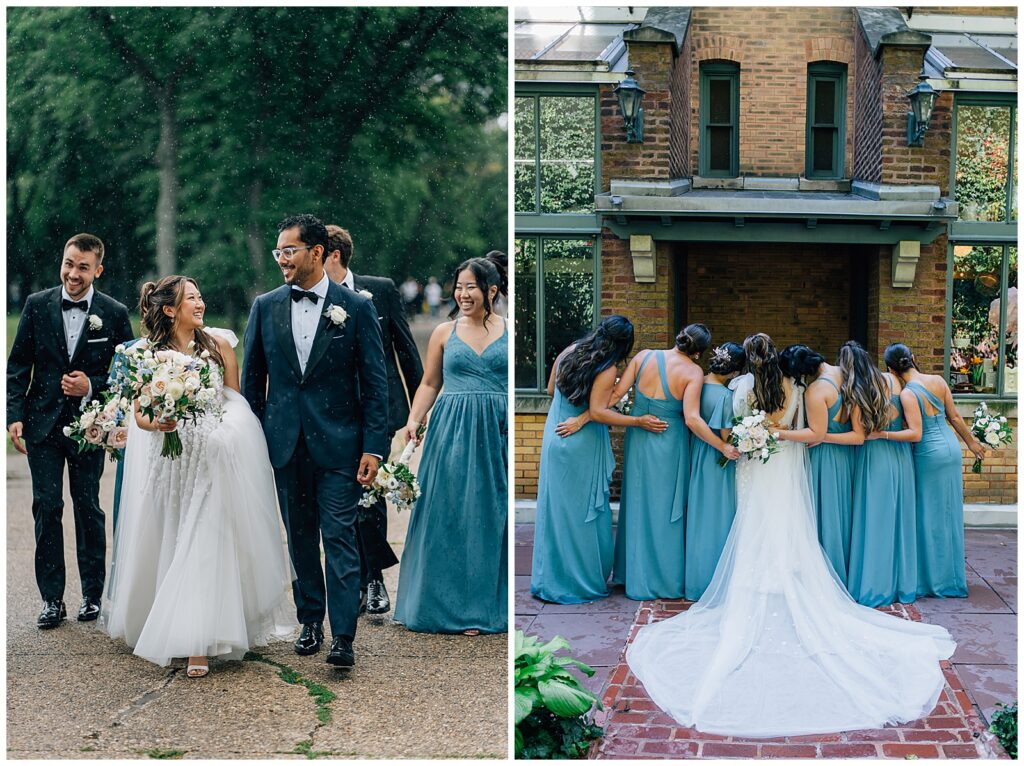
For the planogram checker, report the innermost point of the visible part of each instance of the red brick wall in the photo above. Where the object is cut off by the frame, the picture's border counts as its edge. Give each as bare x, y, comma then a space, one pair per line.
795, 293
867, 122
773, 47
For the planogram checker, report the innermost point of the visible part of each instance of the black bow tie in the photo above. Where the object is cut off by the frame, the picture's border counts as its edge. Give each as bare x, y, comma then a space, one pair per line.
298, 295
67, 305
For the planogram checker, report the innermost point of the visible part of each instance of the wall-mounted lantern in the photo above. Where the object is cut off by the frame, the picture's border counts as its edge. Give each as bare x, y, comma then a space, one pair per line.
630, 96
922, 101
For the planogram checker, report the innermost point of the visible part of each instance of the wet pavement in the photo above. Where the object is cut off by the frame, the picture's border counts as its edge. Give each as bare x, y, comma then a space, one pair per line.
984, 625
73, 692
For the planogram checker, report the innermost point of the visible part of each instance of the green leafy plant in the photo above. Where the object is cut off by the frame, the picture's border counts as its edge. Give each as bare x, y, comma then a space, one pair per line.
551, 705
1004, 726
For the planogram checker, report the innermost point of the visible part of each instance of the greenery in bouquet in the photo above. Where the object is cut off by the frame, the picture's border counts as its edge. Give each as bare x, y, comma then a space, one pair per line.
395, 481
991, 430
551, 705
169, 386
102, 425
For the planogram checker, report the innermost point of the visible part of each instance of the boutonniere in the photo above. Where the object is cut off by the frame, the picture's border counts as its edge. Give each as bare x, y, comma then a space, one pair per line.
336, 314
366, 294
95, 323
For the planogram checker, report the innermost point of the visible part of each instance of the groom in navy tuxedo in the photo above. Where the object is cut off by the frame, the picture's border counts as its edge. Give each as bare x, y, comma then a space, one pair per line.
314, 375
62, 349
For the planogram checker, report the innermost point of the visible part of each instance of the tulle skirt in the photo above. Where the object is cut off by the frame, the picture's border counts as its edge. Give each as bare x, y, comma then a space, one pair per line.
776, 646
198, 565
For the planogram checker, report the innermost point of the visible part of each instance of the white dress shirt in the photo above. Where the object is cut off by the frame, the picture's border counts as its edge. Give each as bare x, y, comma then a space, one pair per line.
305, 318
349, 281
75, 326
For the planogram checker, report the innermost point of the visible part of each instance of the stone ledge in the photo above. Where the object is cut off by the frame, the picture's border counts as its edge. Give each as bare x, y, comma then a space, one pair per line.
881, 192
672, 188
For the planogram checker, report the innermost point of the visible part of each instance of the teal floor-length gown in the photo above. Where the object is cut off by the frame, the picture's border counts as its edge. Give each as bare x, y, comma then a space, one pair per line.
883, 543
454, 570
572, 540
832, 491
649, 542
938, 466
711, 503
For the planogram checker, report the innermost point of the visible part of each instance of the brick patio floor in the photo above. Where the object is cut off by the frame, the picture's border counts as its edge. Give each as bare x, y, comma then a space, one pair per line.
983, 670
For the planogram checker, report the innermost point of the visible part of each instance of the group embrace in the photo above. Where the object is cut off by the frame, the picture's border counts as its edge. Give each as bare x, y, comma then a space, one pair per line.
297, 434
776, 491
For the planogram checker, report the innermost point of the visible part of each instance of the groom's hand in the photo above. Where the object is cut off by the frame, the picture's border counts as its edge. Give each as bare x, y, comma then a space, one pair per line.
368, 465
14, 429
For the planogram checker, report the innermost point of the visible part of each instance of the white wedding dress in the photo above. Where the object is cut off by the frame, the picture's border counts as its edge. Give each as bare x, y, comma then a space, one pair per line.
776, 646
198, 565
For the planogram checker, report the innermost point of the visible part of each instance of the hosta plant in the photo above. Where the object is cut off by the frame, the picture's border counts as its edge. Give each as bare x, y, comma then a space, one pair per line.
551, 705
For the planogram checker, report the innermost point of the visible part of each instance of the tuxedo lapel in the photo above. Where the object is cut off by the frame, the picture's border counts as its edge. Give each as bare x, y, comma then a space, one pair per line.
57, 322
281, 314
83, 339
324, 330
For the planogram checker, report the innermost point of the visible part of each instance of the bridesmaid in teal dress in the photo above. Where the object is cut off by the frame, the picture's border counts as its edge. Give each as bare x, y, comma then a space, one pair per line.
454, 570
649, 541
711, 502
938, 465
832, 431
883, 549
572, 546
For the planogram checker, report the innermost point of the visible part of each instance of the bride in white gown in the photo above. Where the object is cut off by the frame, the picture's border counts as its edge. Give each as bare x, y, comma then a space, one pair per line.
198, 566
776, 646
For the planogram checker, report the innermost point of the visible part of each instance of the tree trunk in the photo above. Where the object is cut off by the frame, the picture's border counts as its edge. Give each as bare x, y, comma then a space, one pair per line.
167, 197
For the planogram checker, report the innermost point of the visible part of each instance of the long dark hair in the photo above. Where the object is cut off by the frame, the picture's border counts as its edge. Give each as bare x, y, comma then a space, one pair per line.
488, 271
763, 362
595, 352
159, 327
798, 361
864, 386
900, 358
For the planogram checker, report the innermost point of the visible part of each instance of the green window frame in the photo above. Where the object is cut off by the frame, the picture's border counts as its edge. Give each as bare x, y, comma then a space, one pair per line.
719, 119
825, 138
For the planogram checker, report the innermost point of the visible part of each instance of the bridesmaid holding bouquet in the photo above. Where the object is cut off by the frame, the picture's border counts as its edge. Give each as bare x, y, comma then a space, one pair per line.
938, 467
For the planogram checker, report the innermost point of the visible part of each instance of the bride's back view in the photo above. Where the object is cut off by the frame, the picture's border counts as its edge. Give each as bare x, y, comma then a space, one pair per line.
776, 646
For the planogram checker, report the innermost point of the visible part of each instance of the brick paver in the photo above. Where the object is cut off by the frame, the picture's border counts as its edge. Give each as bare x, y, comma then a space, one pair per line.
636, 728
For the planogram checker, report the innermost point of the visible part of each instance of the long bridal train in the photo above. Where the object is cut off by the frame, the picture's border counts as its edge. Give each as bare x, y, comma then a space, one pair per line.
776, 646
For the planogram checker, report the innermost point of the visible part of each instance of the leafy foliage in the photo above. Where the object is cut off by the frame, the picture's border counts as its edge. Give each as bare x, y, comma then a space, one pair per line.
550, 702
387, 121
982, 154
1004, 726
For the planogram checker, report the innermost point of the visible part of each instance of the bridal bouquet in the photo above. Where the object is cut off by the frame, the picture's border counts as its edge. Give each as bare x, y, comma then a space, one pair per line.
102, 425
169, 385
990, 430
752, 437
395, 482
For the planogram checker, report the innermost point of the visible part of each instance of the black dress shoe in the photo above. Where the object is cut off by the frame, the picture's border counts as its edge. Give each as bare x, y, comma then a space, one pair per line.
362, 601
341, 654
377, 601
310, 639
89, 610
53, 613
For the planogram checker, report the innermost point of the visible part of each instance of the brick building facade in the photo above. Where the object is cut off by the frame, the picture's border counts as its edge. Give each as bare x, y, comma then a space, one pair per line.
806, 248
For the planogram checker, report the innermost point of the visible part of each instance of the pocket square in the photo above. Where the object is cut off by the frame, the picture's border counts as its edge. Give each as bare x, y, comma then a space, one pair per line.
335, 337
98, 340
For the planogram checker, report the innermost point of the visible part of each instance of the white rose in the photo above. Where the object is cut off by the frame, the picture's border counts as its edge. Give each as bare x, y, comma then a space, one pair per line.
95, 323
760, 439
119, 348
366, 294
192, 382
145, 401
337, 314
159, 386
87, 419
992, 426
175, 389
992, 438
746, 445
67, 430
748, 421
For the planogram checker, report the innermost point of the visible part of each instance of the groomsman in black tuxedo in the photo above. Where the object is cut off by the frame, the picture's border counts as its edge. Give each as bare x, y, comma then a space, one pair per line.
60, 357
399, 352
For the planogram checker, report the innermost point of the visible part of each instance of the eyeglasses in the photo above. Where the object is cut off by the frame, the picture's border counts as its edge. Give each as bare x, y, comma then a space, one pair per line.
288, 252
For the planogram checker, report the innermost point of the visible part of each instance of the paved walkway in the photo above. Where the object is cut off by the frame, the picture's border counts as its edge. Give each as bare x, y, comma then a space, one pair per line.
983, 671
73, 692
